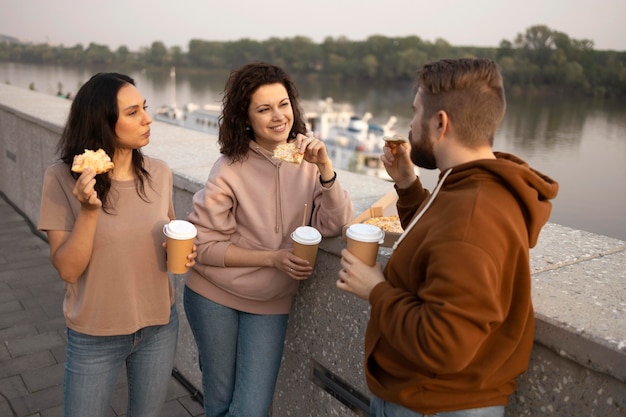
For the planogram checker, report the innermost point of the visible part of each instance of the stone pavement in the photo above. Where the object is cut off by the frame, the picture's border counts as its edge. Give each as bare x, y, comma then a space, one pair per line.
32, 330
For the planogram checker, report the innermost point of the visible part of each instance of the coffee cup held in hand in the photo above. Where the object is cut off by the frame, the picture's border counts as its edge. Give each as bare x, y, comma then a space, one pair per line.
306, 240
364, 240
180, 235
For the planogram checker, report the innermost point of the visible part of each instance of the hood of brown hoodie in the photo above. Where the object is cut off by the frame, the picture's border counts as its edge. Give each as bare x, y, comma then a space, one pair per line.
532, 189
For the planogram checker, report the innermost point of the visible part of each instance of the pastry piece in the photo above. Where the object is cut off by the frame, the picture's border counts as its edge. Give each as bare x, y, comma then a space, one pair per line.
98, 160
288, 152
395, 139
389, 224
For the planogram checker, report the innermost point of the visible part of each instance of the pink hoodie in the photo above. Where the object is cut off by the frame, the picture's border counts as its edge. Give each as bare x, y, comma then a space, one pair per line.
256, 204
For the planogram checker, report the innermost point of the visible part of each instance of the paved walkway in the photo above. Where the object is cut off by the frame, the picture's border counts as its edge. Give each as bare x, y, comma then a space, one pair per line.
32, 331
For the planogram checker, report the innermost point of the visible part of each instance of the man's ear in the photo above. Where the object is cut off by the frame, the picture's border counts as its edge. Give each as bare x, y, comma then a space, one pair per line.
443, 123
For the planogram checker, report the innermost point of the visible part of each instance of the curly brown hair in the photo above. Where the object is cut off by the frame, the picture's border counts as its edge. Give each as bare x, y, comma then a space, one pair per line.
234, 131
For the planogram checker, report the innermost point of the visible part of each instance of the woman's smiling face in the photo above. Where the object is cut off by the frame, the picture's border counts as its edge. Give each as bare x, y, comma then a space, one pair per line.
270, 115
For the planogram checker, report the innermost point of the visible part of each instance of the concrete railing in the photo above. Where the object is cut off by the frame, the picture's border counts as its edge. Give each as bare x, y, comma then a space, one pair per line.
578, 364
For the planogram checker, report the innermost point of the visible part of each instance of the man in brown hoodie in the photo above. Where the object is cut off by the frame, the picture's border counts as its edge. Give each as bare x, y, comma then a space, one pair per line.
451, 325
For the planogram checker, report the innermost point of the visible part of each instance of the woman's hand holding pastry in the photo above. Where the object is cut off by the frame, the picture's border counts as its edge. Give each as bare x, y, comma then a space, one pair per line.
85, 192
314, 149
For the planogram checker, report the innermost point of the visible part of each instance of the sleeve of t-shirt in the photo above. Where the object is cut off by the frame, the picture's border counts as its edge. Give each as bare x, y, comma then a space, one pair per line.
56, 207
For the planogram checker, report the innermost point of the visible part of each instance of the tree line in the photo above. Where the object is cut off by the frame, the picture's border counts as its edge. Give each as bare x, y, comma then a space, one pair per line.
538, 61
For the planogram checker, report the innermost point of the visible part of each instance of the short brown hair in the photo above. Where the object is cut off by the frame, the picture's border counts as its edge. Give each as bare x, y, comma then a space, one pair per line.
470, 91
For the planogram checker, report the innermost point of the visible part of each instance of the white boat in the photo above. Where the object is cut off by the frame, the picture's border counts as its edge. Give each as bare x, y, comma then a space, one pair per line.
354, 142
192, 116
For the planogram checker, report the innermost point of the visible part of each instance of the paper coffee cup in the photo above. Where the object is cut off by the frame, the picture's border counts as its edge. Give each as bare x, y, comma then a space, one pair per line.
364, 240
306, 241
179, 235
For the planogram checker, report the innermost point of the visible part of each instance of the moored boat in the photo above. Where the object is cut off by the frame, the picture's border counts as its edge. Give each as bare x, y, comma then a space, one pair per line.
204, 119
354, 142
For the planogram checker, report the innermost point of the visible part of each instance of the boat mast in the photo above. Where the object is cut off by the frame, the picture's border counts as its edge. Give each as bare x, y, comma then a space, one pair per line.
173, 86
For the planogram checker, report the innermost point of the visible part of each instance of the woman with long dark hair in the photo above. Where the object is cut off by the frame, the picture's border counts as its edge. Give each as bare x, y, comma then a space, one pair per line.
106, 242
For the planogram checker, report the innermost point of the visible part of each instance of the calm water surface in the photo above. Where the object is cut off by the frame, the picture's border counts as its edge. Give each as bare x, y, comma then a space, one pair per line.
579, 143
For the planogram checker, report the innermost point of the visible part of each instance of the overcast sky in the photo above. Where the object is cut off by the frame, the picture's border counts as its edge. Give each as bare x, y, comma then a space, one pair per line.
138, 23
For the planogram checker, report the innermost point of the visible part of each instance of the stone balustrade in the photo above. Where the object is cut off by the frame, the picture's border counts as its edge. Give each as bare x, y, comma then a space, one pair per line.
578, 364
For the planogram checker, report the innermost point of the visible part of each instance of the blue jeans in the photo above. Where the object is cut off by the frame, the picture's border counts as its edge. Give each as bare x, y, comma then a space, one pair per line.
94, 362
239, 355
382, 408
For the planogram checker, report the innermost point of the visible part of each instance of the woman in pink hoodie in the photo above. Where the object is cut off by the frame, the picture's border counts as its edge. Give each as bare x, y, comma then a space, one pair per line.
238, 295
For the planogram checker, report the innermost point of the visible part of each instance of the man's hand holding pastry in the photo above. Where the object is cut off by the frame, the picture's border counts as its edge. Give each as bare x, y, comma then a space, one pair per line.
397, 161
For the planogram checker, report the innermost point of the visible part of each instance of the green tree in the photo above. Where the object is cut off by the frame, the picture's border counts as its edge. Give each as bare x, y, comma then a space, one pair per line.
74, 55
536, 61
158, 55
204, 54
98, 55
238, 53
335, 55
123, 55
303, 53
177, 56
409, 60
574, 74
440, 49
370, 64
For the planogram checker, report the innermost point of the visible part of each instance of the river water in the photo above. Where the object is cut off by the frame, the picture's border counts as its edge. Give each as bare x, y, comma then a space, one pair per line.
580, 143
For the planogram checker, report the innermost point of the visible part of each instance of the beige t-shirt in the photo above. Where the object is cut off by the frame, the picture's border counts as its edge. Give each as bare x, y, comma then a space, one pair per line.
125, 286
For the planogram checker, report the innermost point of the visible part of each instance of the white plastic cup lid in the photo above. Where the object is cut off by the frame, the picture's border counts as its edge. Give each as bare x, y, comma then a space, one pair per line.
365, 233
306, 235
180, 230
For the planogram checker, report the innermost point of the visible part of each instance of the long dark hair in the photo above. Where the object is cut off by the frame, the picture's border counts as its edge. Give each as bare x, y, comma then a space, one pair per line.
235, 134
91, 125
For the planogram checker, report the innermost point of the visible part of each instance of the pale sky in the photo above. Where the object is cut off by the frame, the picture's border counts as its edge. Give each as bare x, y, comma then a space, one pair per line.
138, 23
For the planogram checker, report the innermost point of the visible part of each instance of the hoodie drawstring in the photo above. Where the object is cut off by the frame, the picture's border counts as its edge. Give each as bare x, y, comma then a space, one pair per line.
421, 213
279, 206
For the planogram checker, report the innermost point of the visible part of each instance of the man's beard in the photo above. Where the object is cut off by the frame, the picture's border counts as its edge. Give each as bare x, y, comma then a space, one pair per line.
422, 153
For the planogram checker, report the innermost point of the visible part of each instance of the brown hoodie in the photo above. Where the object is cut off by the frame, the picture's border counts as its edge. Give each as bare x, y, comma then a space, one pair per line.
256, 204
452, 326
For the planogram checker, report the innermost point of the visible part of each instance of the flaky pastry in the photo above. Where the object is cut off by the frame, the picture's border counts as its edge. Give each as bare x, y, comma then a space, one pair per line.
288, 152
98, 160
389, 224
395, 139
